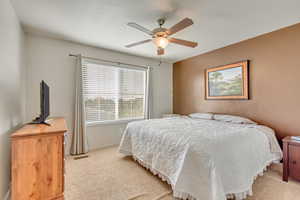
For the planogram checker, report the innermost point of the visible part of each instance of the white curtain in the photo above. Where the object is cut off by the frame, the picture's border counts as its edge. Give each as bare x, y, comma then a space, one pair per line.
79, 140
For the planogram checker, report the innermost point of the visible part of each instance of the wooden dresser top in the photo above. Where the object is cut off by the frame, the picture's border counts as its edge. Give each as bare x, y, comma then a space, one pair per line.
58, 125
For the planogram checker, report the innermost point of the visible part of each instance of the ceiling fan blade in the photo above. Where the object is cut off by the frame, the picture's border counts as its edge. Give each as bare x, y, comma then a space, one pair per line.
160, 51
138, 43
179, 26
140, 28
183, 42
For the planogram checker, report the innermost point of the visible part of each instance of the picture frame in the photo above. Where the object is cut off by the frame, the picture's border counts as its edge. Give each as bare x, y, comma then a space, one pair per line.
229, 81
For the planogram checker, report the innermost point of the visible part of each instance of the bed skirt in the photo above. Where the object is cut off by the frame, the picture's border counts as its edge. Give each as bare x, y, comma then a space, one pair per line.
186, 196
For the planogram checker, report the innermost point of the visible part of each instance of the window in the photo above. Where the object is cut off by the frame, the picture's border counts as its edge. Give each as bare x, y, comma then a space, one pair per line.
114, 93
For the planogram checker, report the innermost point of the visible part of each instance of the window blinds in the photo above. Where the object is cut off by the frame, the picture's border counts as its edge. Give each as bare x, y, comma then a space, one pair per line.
113, 93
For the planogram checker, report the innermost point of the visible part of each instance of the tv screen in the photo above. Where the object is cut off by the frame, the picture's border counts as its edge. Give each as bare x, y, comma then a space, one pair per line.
45, 107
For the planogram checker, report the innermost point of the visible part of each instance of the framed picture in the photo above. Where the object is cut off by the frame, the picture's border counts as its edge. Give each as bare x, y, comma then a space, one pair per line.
228, 81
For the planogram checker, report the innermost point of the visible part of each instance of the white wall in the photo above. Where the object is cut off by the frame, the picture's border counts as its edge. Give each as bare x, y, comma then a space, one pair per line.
47, 59
12, 90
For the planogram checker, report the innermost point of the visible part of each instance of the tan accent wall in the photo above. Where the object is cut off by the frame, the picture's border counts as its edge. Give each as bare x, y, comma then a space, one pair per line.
274, 81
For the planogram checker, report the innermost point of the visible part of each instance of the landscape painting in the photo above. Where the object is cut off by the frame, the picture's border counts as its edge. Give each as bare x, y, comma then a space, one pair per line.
228, 81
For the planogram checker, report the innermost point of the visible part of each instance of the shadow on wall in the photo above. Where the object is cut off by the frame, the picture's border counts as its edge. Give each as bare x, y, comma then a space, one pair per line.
10, 120
5, 162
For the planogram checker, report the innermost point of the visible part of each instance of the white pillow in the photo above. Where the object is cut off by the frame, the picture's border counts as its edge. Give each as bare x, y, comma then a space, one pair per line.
170, 115
233, 119
201, 115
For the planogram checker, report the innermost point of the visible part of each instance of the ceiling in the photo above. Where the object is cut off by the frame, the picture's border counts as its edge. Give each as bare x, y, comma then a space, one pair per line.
102, 23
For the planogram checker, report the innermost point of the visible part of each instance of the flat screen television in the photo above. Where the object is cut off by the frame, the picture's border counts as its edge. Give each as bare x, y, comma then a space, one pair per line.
44, 104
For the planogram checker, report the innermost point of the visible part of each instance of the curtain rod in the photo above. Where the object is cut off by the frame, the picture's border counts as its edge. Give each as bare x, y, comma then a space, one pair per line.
109, 61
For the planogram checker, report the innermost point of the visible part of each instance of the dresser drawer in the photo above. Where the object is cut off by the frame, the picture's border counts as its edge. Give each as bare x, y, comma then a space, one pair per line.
294, 161
37, 161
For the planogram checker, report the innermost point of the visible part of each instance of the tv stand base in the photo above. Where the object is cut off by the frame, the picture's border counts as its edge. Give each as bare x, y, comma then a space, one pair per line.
39, 121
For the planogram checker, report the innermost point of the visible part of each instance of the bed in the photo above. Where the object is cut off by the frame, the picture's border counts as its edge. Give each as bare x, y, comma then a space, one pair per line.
202, 158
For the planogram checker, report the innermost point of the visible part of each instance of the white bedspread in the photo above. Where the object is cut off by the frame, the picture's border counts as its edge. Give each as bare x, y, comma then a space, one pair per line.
202, 159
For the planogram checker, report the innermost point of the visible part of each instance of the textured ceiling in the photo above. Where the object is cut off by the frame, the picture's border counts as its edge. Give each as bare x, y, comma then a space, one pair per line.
102, 23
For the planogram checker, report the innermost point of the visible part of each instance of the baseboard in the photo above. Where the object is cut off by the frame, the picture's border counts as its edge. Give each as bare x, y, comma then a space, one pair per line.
103, 147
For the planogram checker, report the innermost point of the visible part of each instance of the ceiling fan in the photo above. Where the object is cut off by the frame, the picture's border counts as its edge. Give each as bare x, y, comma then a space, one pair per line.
161, 36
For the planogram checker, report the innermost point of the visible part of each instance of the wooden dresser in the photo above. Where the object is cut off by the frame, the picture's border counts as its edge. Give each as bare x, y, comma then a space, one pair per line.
37, 160
291, 159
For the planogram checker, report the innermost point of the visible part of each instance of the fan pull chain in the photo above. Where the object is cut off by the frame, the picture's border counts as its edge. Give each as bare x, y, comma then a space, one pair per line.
160, 61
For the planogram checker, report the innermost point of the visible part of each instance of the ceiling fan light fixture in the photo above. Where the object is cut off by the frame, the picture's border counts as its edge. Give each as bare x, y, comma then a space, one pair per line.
161, 36
161, 42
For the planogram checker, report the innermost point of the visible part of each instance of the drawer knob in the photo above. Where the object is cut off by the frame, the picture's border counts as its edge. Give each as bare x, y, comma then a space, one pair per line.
294, 162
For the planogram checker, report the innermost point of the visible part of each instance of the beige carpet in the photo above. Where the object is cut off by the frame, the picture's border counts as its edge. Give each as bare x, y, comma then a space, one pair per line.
107, 175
